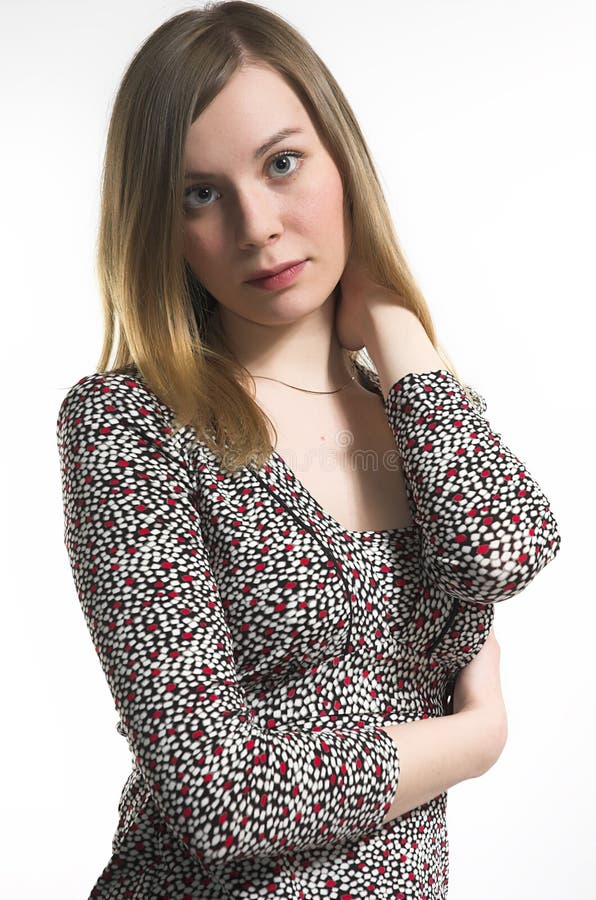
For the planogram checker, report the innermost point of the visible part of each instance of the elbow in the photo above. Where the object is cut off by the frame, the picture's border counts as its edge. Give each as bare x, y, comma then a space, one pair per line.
484, 586
493, 574
496, 586
213, 809
212, 834
230, 840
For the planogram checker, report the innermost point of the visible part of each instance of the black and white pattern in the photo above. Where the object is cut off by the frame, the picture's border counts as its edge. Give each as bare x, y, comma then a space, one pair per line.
254, 648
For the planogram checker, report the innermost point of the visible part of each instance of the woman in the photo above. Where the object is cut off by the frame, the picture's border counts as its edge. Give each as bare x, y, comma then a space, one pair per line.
302, 665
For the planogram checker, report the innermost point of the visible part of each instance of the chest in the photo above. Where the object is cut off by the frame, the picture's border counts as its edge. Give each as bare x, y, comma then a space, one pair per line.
345, 455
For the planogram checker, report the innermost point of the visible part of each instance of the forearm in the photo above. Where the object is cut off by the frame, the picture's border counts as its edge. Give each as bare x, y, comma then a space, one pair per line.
397, 342
437, 753
487, 525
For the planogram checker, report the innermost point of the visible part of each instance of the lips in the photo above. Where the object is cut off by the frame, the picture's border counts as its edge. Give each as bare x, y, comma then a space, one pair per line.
280, 280
267, 273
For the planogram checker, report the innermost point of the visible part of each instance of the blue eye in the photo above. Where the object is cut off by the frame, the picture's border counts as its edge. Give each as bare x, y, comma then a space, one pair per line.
192, 190
287, 154
202, 188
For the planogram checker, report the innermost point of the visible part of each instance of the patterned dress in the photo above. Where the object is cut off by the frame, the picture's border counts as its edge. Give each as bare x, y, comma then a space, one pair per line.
254, 648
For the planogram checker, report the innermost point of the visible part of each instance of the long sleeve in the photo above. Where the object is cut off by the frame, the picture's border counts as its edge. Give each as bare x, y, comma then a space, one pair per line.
486, 526
227, 786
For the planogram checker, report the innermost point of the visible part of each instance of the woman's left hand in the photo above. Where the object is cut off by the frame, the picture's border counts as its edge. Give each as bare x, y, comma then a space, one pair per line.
478, 687
356, 298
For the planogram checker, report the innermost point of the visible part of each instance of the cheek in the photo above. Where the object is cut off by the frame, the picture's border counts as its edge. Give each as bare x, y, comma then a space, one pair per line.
334, 223
324, 210
197, 252
189, 245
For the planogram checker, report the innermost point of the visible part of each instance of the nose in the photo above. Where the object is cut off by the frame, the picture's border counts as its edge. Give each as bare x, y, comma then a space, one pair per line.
259, 217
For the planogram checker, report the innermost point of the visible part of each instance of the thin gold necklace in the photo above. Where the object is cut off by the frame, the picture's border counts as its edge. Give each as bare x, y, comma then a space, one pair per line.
305, 390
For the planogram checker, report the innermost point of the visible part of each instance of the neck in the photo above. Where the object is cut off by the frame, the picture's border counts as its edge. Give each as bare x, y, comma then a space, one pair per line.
305, 352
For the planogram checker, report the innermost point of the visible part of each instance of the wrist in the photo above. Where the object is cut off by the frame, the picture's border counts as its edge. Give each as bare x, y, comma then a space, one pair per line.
397, 342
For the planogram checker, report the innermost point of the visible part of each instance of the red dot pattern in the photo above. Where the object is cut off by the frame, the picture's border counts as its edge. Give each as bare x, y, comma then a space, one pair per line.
254, 648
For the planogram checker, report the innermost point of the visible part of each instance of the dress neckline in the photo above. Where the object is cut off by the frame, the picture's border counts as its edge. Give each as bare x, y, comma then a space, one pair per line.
402, 531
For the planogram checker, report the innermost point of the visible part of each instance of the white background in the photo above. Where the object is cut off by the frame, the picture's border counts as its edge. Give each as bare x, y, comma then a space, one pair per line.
480, 118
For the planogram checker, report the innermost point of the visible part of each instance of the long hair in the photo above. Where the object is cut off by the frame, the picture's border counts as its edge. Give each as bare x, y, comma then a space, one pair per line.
160, 322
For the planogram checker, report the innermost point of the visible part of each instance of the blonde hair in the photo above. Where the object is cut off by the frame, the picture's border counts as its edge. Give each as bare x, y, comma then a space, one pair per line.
158, 318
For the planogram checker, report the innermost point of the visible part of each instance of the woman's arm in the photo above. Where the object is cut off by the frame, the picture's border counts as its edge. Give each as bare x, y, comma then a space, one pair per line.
436, 754
486, 525
397, 341
226, 785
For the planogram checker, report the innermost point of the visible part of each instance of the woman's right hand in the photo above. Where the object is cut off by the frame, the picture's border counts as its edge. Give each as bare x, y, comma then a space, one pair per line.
478, 688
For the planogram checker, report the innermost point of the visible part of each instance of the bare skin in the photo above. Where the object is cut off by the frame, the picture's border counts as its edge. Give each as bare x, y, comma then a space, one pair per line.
343, 451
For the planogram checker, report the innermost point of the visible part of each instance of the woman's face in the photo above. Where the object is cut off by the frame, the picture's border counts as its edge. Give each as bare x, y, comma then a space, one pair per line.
252, 213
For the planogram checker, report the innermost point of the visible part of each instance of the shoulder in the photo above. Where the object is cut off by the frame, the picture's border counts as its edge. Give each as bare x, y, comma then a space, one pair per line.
119, 406
102, 387
102, 401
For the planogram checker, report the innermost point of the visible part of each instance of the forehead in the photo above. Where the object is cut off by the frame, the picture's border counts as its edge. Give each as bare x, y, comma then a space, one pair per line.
255, 104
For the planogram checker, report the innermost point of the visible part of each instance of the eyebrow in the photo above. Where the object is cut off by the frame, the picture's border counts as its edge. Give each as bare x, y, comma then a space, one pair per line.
259, 152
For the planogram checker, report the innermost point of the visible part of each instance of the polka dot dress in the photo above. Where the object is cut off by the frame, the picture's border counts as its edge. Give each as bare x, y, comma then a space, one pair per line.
254, 648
